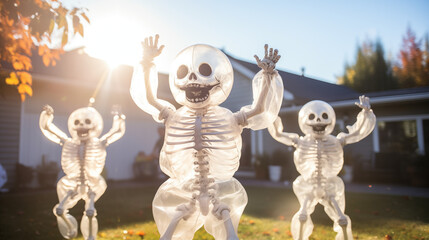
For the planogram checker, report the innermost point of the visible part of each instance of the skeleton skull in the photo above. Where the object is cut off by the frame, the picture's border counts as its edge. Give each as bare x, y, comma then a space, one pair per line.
85, 123
317, 118
201, 76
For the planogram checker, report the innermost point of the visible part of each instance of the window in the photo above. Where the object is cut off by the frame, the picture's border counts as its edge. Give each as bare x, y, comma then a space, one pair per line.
398, 136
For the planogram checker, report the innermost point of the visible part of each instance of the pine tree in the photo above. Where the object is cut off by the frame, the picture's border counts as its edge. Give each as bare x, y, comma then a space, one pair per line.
371, 72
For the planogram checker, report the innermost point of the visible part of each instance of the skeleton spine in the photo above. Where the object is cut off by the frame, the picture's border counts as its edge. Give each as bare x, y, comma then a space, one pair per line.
82, 156
318, 172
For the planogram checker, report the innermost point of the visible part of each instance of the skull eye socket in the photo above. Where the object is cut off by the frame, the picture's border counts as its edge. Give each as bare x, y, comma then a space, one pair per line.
325, 116
87, 121
182, 71
76, 122
205, 70
311, 116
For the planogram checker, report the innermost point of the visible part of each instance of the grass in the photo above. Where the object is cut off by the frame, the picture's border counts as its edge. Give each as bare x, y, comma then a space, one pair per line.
125, 212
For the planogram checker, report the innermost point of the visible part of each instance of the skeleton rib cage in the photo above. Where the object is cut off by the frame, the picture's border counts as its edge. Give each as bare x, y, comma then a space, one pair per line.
318, 160
83, 162
208, 140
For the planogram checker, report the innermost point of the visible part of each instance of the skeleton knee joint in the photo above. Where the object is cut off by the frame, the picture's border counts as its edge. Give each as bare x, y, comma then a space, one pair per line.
342, 221
59, 211
90, 212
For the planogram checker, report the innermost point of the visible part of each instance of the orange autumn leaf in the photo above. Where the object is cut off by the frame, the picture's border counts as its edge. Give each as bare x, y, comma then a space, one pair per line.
141, 233
17, 65
276, 230
46, 60
25, 78
21, 32
24, 88
266, 233
12, 79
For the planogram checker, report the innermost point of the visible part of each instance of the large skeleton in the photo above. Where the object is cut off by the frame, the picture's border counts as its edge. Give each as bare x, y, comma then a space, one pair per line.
202, 144
319, 159
82, 160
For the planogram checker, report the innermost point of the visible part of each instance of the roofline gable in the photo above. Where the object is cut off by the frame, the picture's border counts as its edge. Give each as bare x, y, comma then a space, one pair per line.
250, 74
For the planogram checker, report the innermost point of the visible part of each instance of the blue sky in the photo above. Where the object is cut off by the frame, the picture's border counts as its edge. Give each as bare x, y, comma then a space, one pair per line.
318, 35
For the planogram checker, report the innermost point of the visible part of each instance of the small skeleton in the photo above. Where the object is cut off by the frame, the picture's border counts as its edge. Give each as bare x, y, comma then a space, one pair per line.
82, 160
202, 144
319, 159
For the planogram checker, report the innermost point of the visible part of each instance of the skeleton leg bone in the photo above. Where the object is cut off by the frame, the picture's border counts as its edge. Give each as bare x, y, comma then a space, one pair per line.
342, 220
302, 217
221, 212
67, 224
184, 211
89, 224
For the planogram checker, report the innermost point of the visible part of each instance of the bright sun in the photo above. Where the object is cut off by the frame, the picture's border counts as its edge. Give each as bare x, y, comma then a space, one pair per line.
115, 39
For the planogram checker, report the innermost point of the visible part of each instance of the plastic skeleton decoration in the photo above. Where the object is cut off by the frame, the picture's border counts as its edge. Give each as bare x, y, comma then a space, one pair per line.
319, 159
83, 157
202, 144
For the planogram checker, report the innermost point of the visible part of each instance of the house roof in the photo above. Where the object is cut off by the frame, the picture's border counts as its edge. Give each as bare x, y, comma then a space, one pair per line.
304, 88
76, 67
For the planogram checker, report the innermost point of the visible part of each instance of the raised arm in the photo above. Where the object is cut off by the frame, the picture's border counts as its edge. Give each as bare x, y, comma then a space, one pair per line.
276, 131
144, 84
363, 126
51, 131
267, 87
117, 130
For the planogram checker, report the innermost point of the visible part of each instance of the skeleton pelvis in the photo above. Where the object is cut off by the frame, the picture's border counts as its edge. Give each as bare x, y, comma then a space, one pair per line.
204, 203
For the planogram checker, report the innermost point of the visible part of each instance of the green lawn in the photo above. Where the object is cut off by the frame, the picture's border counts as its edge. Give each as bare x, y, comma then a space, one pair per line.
267, 215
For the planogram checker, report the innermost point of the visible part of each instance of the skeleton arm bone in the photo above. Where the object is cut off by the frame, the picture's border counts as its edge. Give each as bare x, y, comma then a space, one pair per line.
364, 125
267, 65
276, 131
51, 131
144, 83
117, 130
267, 87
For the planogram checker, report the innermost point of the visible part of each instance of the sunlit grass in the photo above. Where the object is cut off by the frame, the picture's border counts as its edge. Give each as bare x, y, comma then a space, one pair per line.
125, 213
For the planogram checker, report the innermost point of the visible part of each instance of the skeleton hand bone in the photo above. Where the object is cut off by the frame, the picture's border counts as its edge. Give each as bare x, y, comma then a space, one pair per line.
364, 103
48, 109
270, 59
151, 49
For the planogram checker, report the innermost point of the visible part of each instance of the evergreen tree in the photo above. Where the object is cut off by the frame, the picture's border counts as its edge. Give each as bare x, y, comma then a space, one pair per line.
371, 72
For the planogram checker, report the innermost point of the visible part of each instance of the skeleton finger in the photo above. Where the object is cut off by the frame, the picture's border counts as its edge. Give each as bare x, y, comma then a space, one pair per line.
146, 42
266, 50
277, 59
160, 49
358, 104
276, 52
257, 59
151, 41
271, 53
156, 40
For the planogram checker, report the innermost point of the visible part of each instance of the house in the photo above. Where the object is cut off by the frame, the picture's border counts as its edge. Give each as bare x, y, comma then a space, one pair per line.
70, 84
395, 152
